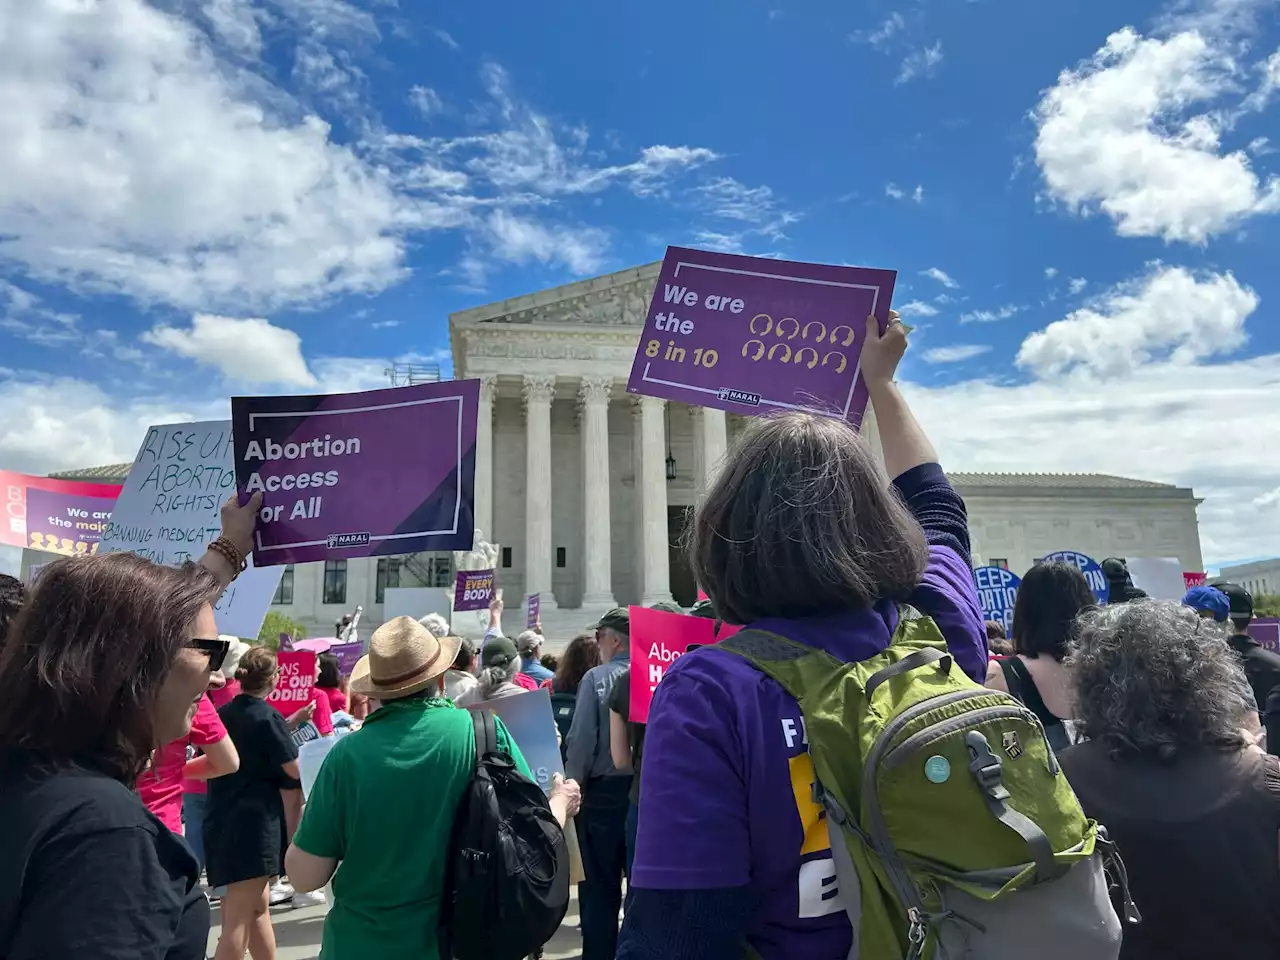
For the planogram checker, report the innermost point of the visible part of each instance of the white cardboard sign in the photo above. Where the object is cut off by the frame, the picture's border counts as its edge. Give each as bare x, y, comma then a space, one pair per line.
168, 511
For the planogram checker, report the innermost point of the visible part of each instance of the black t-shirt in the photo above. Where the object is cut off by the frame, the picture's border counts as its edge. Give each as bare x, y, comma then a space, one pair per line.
264, 743
87, 871
620, 703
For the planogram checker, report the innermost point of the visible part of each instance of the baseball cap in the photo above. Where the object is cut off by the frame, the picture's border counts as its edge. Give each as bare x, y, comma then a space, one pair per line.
617, 619
498, 652
1208, 600
1241, 600
666, 606
703, 608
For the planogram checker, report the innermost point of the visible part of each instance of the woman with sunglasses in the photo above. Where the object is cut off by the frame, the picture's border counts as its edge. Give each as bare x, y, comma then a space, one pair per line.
109, 658
245, 826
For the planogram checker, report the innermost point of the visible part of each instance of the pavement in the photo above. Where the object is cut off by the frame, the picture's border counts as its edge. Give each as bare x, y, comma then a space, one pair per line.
298, 932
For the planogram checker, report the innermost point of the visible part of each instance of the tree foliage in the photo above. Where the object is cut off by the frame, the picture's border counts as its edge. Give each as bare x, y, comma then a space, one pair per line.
275, 624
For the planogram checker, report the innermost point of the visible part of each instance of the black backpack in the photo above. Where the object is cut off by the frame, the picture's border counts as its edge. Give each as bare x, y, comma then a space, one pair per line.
507, 889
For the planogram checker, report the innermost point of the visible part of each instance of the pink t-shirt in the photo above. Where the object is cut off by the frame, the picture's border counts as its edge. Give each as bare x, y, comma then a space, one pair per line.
337, 699
225, 694
525, 681
161, 786
323, 717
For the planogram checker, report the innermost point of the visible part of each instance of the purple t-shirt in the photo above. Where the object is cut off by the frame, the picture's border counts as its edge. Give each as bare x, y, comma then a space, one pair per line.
726, 794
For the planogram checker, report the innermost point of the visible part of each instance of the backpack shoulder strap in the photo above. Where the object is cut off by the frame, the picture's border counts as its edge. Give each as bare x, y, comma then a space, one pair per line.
794, 666
1028, 692
486, 733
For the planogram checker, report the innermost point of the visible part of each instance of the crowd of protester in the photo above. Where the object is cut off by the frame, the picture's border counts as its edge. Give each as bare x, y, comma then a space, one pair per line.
144, 777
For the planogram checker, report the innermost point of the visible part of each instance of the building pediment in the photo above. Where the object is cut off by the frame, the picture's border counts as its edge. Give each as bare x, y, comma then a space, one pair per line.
616, 299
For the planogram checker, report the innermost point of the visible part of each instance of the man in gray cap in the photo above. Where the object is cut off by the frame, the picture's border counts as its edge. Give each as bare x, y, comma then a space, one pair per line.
605, 791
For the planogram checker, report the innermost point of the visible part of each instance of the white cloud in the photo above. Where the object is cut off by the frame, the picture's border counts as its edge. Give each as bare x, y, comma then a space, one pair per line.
890, 27
923, 62
445, 37
753, 211
1118, 133
236, 23
1169, 314
917, 308
425, 100
893, 191
1260, 146
134, 163
1077, 284
514, 239
1162, 422
941, 276
250, 350
990, 316
955, 354
918, 193
1050, 272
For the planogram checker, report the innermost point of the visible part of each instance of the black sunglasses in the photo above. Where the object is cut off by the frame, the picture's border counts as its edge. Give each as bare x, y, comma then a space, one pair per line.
216, 649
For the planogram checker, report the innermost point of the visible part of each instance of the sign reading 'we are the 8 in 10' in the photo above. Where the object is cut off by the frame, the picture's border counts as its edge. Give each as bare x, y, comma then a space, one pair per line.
753, 335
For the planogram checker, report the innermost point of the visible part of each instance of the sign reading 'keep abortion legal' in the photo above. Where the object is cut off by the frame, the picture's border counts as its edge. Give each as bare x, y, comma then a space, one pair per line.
755, 336
359, 474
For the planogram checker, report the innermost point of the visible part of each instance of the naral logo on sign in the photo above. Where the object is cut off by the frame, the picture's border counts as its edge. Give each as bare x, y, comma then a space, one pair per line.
740, 396
337, 540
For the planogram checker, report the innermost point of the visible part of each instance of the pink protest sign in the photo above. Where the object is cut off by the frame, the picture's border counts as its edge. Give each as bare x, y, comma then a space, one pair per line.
756, 336
658, 639
1194, 579
474, 590
297, 677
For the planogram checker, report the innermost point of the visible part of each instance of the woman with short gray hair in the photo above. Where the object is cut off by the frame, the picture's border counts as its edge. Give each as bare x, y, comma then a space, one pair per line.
1173, 773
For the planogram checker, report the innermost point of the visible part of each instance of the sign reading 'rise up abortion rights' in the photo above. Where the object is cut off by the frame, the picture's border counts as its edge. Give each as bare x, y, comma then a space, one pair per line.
359, 474
750, 335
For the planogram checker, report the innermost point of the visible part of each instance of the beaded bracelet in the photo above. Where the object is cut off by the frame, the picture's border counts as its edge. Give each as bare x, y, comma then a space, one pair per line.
231, 553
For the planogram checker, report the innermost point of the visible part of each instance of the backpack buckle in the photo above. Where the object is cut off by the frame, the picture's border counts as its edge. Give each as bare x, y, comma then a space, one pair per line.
985, 766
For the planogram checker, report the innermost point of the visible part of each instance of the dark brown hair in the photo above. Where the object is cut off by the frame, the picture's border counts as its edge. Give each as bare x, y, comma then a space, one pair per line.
801, 522
87, 655
257, 671
1050, 598
12, 593
582, 653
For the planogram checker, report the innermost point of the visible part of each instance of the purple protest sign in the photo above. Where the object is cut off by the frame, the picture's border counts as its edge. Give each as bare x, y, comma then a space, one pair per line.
474, 590
348, 655
535, 610
750, 335
66, 523
1266, 630
359, 474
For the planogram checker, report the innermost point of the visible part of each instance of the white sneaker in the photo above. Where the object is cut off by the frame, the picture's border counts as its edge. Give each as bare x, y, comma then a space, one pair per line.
313, 899
281, 892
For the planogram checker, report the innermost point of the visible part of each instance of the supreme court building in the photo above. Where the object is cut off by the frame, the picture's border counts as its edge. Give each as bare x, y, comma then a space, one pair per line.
586, 488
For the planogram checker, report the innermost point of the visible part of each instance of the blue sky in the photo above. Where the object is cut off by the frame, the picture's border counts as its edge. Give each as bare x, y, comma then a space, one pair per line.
201, 197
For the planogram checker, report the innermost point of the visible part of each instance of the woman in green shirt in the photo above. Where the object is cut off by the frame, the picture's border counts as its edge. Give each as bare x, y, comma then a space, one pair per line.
384, 803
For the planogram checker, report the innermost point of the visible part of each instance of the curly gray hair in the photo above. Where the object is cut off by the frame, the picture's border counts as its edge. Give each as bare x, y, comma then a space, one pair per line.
1153, 677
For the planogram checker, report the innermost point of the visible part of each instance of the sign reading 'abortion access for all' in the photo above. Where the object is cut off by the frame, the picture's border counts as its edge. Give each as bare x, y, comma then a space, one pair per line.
1091, 569
359, 474
297, 680
750, 335
66, 523
997, 591
170, 509
473, 590
658, 639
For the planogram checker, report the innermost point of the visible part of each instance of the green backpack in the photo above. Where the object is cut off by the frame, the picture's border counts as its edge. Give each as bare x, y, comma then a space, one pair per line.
959, 836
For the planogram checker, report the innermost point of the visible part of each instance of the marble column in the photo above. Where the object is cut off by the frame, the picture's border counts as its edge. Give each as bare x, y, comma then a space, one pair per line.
484, 457
710, 442
655, 572
538, 393
597, 532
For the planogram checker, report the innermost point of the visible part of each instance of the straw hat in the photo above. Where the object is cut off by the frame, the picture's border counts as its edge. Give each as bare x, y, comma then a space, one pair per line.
404, 658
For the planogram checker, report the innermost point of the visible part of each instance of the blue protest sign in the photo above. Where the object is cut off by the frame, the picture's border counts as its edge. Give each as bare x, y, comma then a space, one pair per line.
997, 590
1088, 566
532, 726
